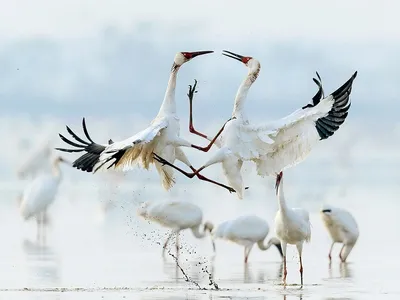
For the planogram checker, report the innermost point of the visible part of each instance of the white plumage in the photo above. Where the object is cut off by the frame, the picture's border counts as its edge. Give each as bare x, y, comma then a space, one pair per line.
176, 215
342, 228
292, 226
274, 146
246, 231
36, 163
162, 137
40, 194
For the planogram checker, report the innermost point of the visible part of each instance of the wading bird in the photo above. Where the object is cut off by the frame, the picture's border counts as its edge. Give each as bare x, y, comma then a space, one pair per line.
292, 226
161, 137
40, 194
246, 231
276, 145
342, 228
176, 215
36, 163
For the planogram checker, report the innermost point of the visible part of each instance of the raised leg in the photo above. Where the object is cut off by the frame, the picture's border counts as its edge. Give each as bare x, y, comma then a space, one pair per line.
330, 251
191, 175
192, 91
205, 149
166, 243
203, 178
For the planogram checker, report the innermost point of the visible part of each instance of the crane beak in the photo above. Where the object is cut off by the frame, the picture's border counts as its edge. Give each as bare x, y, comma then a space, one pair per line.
233, 55
197, 53
326, 211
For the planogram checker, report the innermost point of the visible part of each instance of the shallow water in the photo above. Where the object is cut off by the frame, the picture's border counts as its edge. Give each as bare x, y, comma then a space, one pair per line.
89, 254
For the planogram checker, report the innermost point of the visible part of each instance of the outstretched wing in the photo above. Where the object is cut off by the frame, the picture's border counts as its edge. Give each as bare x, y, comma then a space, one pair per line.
113, 154
292, 138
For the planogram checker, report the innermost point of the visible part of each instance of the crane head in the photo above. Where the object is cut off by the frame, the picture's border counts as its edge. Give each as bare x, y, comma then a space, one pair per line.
326, 210
278, 180
60, 159
183, 57
208, 226
241, 58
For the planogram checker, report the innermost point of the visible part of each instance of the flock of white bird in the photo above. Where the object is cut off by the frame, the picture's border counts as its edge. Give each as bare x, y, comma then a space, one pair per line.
272, 146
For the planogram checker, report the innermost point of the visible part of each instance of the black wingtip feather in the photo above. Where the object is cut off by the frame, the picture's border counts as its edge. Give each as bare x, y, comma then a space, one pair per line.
329, 124
87, 161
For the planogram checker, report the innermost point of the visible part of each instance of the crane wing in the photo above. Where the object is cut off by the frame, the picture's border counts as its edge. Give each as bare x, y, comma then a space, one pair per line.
120, 155
290, 139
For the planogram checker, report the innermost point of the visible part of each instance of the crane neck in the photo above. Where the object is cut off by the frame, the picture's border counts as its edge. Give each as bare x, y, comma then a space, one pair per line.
281, 197
55, 170
241, 95
262, 246
197, 233
168, 105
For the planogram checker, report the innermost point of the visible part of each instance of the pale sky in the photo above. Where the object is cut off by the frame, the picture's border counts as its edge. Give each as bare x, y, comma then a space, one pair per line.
310, 19
109, 61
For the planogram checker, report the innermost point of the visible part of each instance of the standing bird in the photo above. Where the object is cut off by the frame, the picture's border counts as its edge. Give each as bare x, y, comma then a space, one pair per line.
36, 163
177, 215
161, 137
40, 194
292, 226
276, 145
246, 231
342, 228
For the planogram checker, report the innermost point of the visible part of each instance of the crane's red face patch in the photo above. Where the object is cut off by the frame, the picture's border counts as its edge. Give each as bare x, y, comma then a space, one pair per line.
187, 55
246, 59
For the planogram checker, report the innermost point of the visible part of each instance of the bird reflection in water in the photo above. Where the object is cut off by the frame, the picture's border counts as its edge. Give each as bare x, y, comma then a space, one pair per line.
300, 296
344, 271
42, 264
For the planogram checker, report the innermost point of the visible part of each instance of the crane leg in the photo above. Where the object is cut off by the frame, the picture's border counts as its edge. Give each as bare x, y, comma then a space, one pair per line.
192, 91
301, 271
284, 270
284, 246
191, 175
330, 251
300, 251
177, 244
247, 251
166, 243
340, 254
205, 149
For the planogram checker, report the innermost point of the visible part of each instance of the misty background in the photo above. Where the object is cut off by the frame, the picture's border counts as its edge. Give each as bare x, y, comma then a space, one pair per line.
110, 62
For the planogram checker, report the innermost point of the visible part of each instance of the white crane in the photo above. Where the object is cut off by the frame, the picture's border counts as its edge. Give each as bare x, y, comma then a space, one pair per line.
292, 226
276, 145
246, 231
36, 163
40, 194
342, 228
161, 137
176, 215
